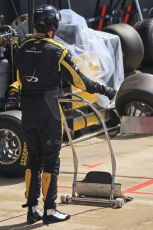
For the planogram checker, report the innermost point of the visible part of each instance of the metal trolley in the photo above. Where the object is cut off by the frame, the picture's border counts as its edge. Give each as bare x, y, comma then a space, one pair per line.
97, 187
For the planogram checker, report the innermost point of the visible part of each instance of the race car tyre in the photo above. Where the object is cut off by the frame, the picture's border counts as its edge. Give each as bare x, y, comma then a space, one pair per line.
145, 30
11, 145
132, 45
135, 96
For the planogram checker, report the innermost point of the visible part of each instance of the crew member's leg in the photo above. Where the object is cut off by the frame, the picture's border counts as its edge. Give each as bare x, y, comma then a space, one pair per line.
51, 137
33, 176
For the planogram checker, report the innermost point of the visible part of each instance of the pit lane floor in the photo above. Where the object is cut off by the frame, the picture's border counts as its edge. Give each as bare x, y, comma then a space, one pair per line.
134, 156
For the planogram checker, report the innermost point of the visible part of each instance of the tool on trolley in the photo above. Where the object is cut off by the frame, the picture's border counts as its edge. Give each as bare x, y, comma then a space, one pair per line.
97, 187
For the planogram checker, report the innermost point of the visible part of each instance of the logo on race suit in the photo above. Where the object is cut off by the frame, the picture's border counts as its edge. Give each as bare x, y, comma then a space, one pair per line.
31, 79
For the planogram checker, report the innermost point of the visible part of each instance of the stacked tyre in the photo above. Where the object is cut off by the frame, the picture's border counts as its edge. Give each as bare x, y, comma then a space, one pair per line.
135, 96
145, 30
132, 45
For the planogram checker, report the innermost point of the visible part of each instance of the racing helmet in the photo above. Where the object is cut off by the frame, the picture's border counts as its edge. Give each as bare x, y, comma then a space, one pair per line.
46, 18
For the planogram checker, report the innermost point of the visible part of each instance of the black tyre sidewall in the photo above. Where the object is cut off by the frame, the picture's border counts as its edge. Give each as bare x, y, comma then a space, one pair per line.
137, 87
13, 124
145, 30
132, 45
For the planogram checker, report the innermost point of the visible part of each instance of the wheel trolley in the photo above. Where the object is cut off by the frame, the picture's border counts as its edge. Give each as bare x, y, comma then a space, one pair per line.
97, 187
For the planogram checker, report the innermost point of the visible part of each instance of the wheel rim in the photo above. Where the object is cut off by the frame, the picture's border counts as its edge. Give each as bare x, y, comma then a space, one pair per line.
10, 147
137, 108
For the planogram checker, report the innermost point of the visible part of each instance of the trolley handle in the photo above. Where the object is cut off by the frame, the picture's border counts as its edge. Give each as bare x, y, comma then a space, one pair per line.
80, 99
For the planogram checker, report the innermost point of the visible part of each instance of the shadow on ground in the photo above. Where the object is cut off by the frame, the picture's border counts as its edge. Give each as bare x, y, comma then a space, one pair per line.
4, 181
21, 226
25, 226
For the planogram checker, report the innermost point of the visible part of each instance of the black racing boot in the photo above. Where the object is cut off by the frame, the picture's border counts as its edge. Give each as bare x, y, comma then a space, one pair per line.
34, 214
52, 216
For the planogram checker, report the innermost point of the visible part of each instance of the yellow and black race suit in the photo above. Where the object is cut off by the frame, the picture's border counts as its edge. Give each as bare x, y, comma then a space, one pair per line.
42, 63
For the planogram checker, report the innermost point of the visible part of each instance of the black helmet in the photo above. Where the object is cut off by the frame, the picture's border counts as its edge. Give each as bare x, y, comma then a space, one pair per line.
46, 18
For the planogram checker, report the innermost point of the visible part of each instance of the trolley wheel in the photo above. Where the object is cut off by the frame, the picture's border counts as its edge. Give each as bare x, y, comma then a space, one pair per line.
119, 202
65, 199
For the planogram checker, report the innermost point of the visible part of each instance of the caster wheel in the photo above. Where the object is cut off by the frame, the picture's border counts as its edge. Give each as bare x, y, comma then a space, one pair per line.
119, 202
65, 199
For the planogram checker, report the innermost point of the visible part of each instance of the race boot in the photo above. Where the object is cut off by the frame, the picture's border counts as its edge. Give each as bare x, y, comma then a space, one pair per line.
32, 193
34, 214
53, 216
49, 190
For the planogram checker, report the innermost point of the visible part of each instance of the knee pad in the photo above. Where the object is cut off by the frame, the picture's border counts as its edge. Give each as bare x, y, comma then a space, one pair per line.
51, 164
33, 163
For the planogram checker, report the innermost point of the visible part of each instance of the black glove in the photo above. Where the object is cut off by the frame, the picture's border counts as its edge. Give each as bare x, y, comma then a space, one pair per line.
109, 92
13, 101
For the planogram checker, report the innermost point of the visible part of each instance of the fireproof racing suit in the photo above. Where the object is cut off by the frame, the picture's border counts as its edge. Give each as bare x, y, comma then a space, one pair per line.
42, 62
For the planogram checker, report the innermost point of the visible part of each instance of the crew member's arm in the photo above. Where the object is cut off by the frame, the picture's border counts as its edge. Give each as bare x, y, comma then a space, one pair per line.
14, 87
72, 74
17, 85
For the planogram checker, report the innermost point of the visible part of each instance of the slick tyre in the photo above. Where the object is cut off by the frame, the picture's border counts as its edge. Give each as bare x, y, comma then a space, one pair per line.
145, 30
132, 45
135, 96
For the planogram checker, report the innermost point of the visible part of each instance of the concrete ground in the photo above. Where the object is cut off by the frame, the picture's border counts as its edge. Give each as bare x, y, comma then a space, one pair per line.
134, 156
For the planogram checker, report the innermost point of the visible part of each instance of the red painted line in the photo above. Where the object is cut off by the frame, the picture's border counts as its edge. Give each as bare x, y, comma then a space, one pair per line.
64, 186
144, 193
89, 166
138, 186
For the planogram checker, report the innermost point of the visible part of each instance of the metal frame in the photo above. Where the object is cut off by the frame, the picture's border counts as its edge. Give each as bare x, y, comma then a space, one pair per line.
139, 9
111, 200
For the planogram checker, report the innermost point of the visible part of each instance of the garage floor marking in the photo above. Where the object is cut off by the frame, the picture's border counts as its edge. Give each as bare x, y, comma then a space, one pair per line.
89, 166
140, 186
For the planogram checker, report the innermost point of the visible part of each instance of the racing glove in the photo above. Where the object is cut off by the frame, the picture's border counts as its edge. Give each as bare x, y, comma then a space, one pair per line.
108, 92
13, 101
